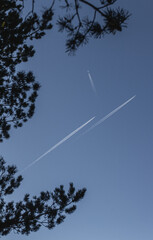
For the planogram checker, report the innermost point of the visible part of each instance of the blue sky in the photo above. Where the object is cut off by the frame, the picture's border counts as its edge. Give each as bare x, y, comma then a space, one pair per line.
113, 161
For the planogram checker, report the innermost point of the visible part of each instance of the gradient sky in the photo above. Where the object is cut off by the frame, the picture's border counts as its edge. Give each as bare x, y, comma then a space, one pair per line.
114, 161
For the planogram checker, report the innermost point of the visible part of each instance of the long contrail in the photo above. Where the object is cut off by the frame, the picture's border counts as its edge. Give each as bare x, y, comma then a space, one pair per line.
91, 81
109, 115
58, 144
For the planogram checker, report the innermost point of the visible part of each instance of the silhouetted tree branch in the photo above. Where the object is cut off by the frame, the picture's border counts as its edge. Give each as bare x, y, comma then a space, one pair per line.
81, 26
19, 90
82, 20
48, 209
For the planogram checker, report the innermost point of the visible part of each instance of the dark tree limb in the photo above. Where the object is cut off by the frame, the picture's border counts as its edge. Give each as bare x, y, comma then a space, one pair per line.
19, 91
29, 215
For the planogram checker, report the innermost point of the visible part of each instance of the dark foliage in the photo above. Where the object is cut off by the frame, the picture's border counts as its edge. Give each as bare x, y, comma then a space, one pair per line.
18, 93
26, 216
97, 19
19, 90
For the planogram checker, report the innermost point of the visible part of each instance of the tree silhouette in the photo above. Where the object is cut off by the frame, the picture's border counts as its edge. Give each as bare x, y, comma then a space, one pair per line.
82, 25
19, 90
26, 216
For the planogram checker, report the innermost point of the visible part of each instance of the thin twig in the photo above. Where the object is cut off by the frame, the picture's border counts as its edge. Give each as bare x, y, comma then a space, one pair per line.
93, 6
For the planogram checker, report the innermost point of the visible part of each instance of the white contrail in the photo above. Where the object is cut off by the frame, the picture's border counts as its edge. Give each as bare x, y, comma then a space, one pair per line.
109, 115
58, 144
91, 81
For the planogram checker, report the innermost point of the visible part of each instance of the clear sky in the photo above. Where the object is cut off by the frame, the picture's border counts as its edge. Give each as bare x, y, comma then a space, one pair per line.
114, 161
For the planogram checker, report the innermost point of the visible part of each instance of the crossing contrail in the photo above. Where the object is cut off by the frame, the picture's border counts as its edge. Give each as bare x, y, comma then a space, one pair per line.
77, 130
58, 144
91, 81
108, 115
